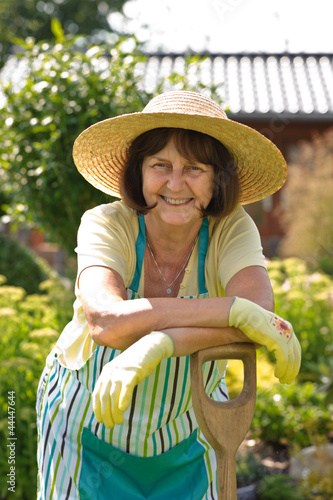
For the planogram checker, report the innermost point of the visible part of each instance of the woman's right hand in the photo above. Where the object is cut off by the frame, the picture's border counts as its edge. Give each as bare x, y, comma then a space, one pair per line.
114, 388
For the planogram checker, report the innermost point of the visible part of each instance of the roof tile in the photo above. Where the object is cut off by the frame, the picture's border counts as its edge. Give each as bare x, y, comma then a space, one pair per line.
257, 84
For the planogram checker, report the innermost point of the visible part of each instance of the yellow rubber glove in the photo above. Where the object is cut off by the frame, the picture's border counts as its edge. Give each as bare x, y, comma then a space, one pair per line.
268, 329
115, 385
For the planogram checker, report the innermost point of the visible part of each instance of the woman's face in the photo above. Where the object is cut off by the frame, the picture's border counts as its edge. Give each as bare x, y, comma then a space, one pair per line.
180, 187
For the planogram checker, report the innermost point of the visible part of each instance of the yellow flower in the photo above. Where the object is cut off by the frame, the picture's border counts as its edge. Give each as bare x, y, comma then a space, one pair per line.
7, 311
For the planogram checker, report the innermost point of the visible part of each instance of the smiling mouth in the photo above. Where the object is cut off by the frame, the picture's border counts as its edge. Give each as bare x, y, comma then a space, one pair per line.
173, 201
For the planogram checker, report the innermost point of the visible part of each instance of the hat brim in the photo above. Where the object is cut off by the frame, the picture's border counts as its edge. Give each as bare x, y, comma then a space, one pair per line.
100, 151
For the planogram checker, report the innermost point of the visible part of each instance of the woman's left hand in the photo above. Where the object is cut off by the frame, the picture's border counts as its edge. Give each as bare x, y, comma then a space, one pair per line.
272, 331
115, 385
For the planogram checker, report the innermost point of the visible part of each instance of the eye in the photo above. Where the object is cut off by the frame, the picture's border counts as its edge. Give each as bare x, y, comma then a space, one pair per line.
194, 169
161, 166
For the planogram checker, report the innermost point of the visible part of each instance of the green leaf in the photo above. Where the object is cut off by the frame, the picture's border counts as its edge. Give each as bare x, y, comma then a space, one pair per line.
57, 30
26, 44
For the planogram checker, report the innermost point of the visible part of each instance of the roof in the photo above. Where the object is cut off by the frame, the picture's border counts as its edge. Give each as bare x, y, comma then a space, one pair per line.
256, 85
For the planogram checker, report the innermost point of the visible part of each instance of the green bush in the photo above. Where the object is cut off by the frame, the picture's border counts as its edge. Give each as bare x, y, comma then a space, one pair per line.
318, 485
279, 487
65, 88
290, 414
21, 267
326, 264
249, 469
305, 299
29, 325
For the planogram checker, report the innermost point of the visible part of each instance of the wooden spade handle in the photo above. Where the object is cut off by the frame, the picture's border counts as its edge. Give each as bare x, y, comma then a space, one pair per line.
225, 424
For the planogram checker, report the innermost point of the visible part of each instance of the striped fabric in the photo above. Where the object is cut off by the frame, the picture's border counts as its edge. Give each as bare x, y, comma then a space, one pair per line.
160, 416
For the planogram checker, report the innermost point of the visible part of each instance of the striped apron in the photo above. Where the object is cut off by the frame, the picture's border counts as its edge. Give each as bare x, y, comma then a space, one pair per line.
157, 453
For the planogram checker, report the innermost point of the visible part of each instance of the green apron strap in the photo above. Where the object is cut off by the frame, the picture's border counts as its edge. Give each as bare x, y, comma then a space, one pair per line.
203, 246
140, 246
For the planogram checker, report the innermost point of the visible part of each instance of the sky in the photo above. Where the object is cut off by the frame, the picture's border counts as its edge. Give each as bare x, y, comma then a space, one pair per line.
230, 25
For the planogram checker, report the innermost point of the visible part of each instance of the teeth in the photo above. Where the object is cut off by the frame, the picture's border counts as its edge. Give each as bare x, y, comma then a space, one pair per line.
176, 202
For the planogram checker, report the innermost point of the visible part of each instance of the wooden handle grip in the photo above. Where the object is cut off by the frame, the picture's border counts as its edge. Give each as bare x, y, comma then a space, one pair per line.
225, 424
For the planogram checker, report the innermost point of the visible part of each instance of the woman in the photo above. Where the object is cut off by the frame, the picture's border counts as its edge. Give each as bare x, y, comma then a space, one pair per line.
114, 406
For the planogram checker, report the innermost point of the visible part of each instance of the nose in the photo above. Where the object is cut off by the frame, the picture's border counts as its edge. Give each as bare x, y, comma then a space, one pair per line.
176, 179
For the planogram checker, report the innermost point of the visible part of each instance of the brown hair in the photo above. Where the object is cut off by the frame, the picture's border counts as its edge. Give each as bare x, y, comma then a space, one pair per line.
191, 145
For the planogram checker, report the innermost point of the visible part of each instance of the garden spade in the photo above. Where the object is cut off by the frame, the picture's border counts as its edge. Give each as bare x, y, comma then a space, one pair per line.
225, 424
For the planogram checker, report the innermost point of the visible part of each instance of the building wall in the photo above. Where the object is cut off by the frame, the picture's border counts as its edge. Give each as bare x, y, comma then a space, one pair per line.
285, 134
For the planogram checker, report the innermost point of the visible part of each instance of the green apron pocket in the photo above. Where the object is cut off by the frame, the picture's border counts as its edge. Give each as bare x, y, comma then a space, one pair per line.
109, 473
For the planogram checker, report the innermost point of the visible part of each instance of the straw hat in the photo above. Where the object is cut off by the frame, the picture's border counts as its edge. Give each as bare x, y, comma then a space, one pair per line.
100, 151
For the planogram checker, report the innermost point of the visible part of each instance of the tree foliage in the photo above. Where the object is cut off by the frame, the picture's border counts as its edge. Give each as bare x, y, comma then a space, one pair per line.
309, 215
21, 267
32, 18
67, 87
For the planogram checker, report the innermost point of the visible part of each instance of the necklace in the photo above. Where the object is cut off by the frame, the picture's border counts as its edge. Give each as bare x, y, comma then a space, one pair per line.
169, 285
